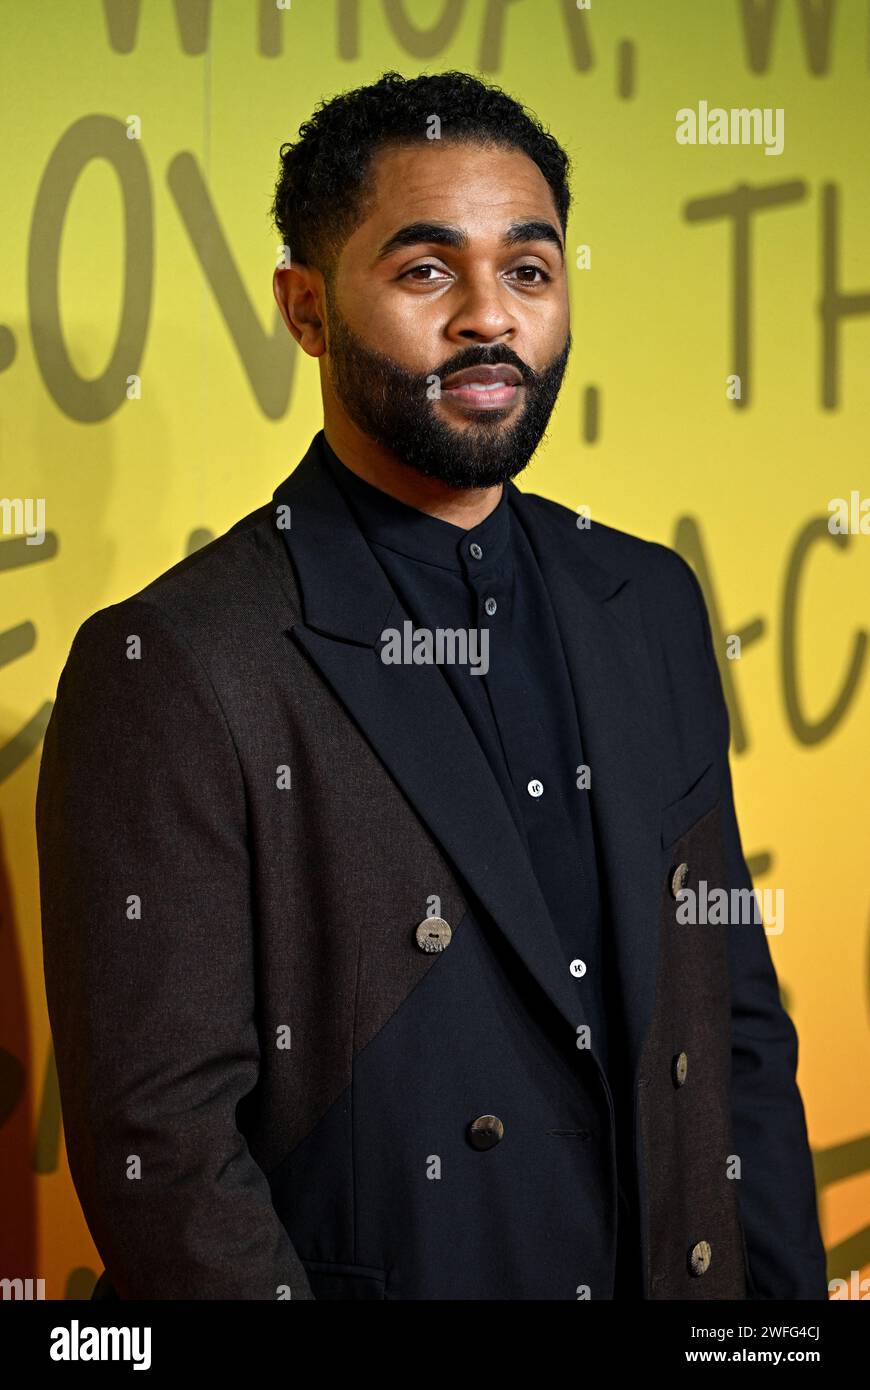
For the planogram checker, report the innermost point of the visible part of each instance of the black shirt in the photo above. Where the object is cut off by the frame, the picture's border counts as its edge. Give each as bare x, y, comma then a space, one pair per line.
517, 695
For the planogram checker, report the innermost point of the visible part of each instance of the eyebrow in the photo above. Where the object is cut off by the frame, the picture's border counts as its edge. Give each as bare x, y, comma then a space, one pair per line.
443, 234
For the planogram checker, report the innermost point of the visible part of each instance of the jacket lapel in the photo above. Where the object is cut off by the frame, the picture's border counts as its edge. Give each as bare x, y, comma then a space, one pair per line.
599, 617
411, 718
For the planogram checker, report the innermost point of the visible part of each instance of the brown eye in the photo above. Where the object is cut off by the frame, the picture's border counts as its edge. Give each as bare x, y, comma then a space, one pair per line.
537, 270
415, 269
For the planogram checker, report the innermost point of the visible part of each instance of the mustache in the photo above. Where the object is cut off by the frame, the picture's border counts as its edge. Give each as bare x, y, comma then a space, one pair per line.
498, 356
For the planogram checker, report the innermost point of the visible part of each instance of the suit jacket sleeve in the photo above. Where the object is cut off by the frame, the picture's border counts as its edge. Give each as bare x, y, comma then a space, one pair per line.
776, 1190
149, 968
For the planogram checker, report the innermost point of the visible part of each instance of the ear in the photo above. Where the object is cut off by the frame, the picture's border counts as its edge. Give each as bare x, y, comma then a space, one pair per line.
299, 294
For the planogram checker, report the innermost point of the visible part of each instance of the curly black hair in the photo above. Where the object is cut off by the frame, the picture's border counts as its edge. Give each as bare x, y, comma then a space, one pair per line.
323, 185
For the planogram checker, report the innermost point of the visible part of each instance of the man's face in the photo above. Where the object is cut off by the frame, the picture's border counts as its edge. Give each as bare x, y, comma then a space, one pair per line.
447, 324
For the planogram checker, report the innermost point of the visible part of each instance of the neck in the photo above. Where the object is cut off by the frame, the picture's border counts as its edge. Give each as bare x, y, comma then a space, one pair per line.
465, 507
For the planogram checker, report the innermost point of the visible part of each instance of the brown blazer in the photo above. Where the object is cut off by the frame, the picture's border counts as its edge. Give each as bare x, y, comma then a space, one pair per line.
269, 1088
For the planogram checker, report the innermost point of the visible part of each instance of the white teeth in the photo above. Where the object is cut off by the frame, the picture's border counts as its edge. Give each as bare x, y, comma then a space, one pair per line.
486, 385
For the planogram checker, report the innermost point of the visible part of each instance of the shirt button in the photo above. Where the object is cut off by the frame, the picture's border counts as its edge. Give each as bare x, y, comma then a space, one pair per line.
486, 1131
535, 788
490, 606
475, 551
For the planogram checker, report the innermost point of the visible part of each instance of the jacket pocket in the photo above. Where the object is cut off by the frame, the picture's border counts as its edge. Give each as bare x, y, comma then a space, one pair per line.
344, 1281
682, 814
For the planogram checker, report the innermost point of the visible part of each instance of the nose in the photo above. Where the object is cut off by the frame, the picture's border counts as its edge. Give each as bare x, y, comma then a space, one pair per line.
484, 314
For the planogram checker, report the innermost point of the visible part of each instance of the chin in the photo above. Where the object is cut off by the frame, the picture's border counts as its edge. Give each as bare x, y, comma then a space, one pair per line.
506, 414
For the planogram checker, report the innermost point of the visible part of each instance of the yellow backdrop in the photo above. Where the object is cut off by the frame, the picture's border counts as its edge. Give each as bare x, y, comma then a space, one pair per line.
150, 396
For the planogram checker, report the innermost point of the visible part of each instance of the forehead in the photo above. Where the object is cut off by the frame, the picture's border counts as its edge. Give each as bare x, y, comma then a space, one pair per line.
475, 186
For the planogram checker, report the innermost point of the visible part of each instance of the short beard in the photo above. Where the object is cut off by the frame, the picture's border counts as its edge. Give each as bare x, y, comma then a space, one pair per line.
393, 407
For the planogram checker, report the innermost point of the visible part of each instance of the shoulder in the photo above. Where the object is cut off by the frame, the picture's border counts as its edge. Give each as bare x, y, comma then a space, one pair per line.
651, 584
222, 576
205, 598
663, 577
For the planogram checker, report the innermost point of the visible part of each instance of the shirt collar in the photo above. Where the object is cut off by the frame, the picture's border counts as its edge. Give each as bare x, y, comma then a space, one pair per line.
408, 531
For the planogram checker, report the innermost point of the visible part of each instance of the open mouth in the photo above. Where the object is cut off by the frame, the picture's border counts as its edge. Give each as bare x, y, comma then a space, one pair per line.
483, 388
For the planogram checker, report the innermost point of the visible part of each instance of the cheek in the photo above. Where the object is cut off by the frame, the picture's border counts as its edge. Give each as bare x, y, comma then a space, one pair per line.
547, 323
540, 344
410, 330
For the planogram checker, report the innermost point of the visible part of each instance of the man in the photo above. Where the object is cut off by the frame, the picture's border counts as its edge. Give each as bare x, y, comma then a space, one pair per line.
363, 830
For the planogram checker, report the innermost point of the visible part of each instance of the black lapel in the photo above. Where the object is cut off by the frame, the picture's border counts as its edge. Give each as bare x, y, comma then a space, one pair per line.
411, 718
602, 631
